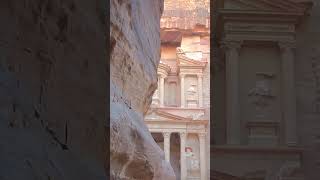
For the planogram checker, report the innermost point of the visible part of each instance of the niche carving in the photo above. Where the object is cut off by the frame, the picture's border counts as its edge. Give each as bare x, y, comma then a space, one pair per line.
261, 95
192, 96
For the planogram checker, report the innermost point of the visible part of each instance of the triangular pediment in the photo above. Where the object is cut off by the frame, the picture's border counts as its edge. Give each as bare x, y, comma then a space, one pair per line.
184, 60
190, 62
265, 5
158, 115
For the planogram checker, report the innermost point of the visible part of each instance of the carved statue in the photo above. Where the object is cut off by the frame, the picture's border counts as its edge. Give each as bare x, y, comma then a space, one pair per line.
192, 93
261, 94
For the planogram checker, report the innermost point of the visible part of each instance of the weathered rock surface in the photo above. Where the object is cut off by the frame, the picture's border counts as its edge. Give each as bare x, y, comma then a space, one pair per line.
135, 54
52, 90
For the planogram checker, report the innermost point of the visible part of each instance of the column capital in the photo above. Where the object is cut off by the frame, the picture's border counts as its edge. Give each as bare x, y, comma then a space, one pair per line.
200, 75
201, 135
166, 134
183, 134
231, 44
163, 76
284, 45
182, 75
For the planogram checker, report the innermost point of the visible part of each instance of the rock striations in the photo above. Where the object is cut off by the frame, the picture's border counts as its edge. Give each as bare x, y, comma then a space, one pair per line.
135, 54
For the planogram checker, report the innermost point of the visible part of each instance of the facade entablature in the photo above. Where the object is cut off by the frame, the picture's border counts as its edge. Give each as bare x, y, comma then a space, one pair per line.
157, 114
191, 113
258, 21
197, 72
176, 127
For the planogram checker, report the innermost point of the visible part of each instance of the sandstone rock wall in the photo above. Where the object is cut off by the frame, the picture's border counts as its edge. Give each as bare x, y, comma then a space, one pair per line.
52, 89
135, 54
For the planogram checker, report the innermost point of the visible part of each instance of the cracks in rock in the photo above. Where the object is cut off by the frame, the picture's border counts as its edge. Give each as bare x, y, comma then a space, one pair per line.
55, 138
47, 63
46, 67
62, 23
122, 99
66, 132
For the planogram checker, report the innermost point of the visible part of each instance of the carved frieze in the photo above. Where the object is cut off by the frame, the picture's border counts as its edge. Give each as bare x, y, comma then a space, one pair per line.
196, 127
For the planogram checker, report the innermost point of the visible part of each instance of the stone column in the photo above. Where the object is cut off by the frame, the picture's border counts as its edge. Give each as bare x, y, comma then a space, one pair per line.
161, 90
200, 90
183, 101
203, 168
288, 92
232, 89
166, 145
183, 162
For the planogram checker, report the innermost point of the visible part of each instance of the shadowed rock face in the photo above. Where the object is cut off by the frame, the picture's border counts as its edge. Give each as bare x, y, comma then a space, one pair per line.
52, 89
135, 54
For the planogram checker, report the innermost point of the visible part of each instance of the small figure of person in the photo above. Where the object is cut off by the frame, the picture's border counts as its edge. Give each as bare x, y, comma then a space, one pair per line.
193, 163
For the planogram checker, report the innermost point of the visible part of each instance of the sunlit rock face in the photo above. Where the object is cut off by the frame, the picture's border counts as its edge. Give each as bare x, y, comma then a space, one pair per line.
185, 14
52, 90
135, 55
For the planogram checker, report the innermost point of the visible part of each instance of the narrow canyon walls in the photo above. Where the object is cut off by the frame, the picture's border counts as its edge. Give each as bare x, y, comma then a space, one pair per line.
135, 54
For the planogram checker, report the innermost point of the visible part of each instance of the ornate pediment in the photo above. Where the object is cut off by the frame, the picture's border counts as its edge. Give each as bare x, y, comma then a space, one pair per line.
265, 5
184, 60
155, 114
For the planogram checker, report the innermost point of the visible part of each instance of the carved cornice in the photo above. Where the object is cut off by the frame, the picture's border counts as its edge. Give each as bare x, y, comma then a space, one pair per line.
260, 20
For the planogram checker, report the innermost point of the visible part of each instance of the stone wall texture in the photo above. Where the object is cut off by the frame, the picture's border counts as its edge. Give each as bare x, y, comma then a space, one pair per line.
135, 55
308, 90
52, 89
